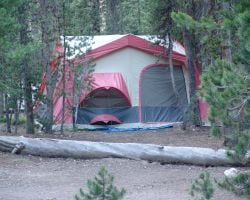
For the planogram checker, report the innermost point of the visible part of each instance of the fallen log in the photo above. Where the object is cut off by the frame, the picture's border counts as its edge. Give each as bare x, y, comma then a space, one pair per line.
91, 150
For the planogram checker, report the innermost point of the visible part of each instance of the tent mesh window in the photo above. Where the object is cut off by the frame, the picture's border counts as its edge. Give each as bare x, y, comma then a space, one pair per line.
158, 100
105, 98
105, 102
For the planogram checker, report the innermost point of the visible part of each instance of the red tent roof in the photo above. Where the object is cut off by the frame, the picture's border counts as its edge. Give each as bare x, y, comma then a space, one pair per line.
132, 41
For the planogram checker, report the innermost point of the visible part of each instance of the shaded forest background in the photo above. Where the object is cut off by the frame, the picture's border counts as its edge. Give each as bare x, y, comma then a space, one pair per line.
215, 35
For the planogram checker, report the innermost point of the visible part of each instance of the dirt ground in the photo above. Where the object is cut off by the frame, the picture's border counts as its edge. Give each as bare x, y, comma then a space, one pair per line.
198, 137
34, 178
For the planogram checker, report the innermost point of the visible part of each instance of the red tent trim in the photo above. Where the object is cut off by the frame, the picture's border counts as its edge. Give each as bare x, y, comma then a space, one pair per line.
129, 41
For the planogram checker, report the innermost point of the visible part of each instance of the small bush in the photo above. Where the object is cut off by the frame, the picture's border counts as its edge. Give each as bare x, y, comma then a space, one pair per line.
202, 188
21, 120
101, 188
239, 185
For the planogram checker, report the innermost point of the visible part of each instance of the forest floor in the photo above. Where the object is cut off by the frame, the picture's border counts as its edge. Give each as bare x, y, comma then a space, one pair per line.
35, 178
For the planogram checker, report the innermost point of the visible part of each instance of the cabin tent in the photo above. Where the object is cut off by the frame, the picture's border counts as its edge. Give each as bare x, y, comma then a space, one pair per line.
130, 86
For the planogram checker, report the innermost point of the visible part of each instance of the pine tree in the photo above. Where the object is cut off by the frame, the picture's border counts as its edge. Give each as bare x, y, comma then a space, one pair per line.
225, 84
226, 88
220, 84
24, 18
239, 185
202, 188
101, 188
134, 16
83, 17
11, 52
50, 29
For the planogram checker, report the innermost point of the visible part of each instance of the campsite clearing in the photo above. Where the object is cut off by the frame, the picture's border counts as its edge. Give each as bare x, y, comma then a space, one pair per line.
34, 178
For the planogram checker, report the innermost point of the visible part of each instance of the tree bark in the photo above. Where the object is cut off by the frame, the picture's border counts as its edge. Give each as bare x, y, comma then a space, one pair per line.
171, 66
139, 16
113, 16
45, 59
63, 69
97, 18
24, 39
227, 51
89, 150
7, 113
169, 29
1, 105
47, 41
194, 111
29, 106
16, 114
102, 14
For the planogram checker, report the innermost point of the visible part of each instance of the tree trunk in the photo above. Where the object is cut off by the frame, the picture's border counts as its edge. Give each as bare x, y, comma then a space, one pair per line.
16, 115
113, 16
227, 51
1, 105
45, 59
97, 17
29, 107
139, 16
135, 151
169, 29
102, 13
7, 113
24, 39
47, 41
170, 60
194, 111
63, 70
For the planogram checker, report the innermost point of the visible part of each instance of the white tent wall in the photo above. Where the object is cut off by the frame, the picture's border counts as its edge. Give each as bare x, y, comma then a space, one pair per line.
129, 62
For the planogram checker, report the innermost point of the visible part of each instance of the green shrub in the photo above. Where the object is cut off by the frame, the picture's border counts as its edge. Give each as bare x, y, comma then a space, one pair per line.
239, 185
21, 120
101, 188
202, 188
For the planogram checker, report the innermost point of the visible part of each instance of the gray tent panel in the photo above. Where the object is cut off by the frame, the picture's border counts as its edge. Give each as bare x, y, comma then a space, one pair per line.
158, 101
124, 114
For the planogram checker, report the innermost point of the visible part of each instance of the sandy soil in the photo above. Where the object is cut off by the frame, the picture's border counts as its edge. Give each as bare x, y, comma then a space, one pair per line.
36, 178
